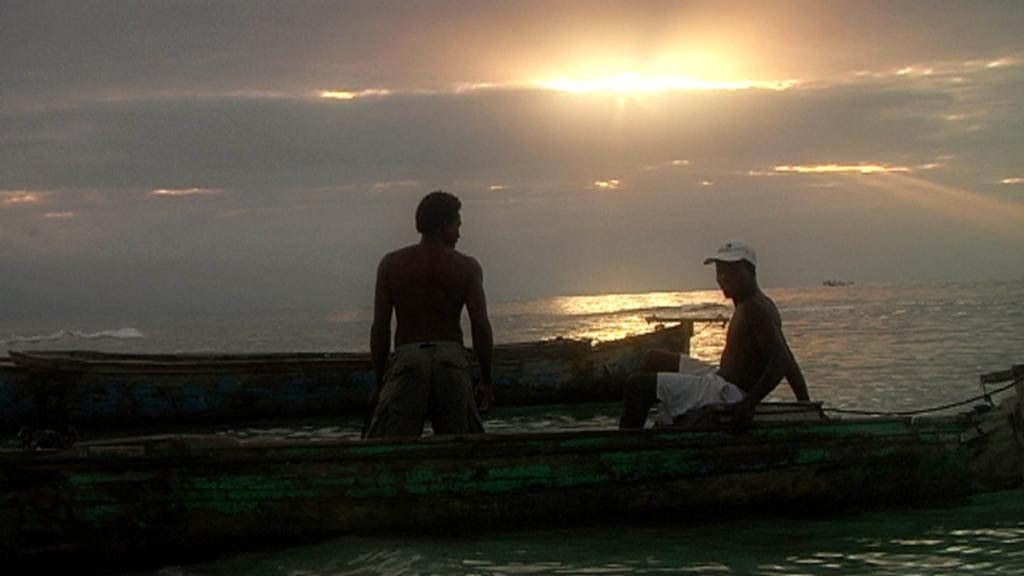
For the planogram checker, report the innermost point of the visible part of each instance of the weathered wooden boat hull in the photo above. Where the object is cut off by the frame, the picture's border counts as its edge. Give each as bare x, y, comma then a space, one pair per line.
16, 405
180, 498
96, 390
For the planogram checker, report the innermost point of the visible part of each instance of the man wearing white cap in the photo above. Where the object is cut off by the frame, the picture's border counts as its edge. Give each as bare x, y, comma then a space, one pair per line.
755, 359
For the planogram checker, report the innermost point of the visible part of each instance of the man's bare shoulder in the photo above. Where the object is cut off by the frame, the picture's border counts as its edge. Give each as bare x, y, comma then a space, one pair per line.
457, 260
761, 309
402, 252
468, 261
391, 258
757, 308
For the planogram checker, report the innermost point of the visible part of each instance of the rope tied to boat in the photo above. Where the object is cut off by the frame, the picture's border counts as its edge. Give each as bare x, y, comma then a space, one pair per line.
986, 396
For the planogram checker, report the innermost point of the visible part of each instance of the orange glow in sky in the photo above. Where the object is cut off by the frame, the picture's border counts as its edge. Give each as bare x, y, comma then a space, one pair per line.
843, 168
185, 192
633, 83
21, 197
352, 95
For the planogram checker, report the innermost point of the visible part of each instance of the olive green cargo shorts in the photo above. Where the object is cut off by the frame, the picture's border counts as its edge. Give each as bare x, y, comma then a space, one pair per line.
427, 382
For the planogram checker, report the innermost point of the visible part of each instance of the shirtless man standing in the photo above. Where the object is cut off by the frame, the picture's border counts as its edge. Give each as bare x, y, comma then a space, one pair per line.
755, 359
426, 285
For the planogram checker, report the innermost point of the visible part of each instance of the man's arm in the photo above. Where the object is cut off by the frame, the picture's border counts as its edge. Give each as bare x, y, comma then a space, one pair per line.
483, 338
795, 376
380, 333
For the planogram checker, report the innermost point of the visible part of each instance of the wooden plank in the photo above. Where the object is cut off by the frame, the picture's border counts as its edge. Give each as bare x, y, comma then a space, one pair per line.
1018, 420
655, 319
1015, 372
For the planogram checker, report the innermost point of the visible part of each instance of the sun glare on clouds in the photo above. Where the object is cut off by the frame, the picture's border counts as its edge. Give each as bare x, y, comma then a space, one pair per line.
353, 95
842, 168
962, 204
633, 83
14, 198
179, 192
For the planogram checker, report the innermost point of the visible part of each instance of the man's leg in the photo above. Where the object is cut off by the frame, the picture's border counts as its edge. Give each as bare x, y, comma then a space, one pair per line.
402, 408
639, 393
660, 361
452, 401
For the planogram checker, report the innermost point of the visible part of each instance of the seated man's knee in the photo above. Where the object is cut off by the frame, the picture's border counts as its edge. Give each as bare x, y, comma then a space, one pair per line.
641, 385
647, 364
660, 361
633, 382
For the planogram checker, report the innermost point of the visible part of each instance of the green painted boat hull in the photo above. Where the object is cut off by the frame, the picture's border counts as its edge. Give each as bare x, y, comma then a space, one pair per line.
175, 498
95, 390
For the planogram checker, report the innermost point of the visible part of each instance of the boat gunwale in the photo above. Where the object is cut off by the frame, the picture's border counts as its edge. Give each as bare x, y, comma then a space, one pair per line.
113, 488
89, 361
176, 447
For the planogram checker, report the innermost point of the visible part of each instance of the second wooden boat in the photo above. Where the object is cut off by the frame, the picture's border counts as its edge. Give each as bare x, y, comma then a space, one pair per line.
97, 390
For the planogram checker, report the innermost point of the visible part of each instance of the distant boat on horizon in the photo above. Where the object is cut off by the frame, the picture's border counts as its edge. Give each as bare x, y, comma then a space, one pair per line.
836, 283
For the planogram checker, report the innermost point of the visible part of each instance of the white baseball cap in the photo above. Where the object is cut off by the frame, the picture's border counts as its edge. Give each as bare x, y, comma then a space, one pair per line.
733, 251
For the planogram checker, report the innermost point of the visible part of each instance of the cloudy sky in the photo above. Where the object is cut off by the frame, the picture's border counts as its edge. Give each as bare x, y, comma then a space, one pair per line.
191, 156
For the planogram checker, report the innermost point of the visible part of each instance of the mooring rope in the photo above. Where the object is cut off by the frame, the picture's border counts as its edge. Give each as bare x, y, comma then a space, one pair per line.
986, 396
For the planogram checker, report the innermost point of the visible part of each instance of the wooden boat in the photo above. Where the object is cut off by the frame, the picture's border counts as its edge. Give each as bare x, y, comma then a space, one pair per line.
15, 402
176, 498
98, 390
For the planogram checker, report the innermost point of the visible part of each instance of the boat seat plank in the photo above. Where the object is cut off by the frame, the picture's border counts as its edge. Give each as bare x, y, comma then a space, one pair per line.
1017, 371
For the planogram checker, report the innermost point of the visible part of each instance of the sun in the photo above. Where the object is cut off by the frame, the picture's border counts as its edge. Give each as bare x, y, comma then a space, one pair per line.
635, 84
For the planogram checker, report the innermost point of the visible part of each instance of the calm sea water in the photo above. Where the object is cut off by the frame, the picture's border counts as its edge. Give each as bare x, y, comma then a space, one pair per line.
985, 536
861, 347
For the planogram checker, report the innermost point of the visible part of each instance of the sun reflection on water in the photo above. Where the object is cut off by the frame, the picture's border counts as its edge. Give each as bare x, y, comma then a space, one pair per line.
606, 303
606, 317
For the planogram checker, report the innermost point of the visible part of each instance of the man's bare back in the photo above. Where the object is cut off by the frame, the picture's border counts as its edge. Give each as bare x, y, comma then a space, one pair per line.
428, 284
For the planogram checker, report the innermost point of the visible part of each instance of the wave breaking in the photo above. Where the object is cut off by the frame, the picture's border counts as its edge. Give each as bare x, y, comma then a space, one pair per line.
118, 334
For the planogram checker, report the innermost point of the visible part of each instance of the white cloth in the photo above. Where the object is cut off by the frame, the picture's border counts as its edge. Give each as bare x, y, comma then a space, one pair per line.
696, 385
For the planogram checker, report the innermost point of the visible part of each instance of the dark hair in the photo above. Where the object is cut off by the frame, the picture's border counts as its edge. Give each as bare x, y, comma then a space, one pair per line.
435, 211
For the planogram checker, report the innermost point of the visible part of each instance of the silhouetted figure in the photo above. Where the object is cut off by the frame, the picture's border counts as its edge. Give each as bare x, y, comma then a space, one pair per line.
755, 359
426, 285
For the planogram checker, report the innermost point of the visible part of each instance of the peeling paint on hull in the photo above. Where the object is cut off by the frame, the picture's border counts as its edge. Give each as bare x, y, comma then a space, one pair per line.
182, 497
95, 390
